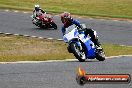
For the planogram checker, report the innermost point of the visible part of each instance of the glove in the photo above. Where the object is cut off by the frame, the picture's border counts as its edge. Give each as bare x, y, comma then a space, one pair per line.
81, 30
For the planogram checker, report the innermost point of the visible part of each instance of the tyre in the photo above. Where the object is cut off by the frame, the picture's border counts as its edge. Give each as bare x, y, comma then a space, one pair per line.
100, 55
54, 25
79, 54
69, 49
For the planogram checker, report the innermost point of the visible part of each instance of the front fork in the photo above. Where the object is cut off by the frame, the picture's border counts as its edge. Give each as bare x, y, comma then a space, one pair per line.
80, 46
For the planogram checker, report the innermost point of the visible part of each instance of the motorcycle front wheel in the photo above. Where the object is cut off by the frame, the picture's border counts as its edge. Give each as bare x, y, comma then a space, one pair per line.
79, 54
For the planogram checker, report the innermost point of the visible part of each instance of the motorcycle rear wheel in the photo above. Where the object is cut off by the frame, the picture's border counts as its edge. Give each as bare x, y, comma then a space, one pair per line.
100, 55
54, 25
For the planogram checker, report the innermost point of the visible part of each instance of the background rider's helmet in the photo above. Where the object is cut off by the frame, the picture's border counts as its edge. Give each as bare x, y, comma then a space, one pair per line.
66, 17
37, 7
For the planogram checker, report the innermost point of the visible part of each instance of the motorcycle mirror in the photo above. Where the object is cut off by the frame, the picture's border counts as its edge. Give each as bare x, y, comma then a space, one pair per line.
83, 26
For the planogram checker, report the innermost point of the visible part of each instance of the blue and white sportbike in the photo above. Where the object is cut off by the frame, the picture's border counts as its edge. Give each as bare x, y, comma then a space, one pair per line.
81, 45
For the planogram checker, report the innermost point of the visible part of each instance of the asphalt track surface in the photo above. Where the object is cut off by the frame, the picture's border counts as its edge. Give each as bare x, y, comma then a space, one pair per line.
108, 31
63, 74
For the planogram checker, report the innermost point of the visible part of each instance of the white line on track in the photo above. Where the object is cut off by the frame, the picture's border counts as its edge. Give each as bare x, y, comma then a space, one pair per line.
16, 11
26, 35
50, 38
16, 34
8, 33
58, 15
118, 56
126, 45
130, 21
34, 36
43, 37
40, 37
1, 32
25, 12
7, 10
66, 60
59, 39
90, 18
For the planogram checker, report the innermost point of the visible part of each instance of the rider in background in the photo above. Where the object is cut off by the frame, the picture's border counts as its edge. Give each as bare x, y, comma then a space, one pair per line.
38, 11
67, 21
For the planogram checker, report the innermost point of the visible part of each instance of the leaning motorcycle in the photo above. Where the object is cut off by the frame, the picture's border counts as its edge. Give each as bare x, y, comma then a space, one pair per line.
81, 45
44, 21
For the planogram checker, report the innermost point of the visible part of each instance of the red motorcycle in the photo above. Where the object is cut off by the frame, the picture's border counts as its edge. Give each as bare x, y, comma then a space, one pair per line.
44, 21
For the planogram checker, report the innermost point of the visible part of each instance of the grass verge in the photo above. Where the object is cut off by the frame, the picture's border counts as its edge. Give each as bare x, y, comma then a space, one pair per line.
18, 48
92, 8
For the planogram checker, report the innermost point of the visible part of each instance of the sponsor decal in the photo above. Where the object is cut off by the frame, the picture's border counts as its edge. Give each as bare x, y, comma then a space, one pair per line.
83, 78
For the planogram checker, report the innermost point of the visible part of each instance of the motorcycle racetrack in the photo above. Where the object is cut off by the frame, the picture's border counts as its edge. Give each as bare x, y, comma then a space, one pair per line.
63, 74
115, 32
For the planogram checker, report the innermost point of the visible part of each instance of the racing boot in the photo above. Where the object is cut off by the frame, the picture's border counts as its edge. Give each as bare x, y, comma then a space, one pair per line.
93, 36
97, 44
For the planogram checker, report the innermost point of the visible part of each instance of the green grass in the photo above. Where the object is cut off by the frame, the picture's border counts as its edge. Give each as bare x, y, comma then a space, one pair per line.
18, 48
105, 8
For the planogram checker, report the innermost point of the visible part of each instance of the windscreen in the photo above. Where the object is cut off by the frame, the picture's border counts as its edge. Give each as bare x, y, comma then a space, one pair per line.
70, 28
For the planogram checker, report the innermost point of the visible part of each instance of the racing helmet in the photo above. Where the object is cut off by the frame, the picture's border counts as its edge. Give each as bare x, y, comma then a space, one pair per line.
65, 17
37, 7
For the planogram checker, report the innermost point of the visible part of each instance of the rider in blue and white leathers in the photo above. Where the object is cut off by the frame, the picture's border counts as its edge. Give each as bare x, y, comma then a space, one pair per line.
67, 21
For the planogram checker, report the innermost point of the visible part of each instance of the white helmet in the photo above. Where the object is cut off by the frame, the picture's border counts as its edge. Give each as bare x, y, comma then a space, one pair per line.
37, 7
